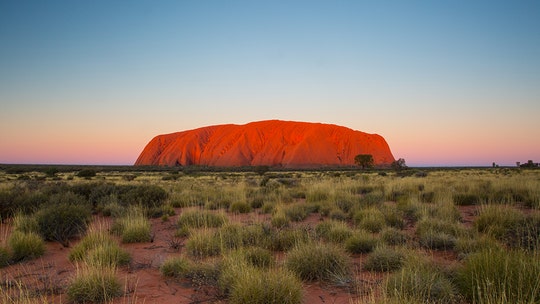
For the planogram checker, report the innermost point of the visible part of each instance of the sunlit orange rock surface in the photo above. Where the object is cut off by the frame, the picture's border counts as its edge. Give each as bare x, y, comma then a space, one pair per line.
275, 143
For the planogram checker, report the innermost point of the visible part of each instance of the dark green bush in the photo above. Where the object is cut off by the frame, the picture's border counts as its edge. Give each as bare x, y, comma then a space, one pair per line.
325, 262
94, 285
62, 222
175, 267
4, 257
145, 195
259, 257
87, 173
384, 259
240, 207
25, 246
421, 283
360, 242
500, 276
464, 199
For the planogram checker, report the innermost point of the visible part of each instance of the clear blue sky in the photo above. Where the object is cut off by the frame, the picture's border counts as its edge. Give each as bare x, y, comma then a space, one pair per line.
444, 82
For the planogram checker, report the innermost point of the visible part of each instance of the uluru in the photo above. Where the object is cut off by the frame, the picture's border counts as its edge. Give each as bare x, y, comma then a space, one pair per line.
275, 143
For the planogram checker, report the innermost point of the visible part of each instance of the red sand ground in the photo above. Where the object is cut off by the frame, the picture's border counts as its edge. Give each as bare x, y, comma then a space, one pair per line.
274, 143
143, 282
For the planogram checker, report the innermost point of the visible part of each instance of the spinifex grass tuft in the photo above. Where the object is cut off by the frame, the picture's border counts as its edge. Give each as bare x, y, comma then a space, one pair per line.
319, 261
91, 284
25, 246
499, 276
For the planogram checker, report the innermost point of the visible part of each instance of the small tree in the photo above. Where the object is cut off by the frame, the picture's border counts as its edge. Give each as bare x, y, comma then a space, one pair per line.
364, 160
399, 164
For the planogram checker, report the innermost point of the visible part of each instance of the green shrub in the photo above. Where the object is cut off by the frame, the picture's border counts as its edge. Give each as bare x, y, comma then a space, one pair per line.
319, 261
134, 227
437, 240
175, 267
62, 222
107, 254
393, 236
338, 215
384, 259
501, 276
148, 196
428, 226
392, 216
285, 239
4, 256
201, 219
203, 243
25, 223
259, 257
240, 207
86, 173
279, 220
360, 242
113, 209
333, 231
296, 212
371, 219
421, 283
525, 234
25, 246
466, 199
264, 287
96, 285
230, 236
268, 207
99, 249
497, 220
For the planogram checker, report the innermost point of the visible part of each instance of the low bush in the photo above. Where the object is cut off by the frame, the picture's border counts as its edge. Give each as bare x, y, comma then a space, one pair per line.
498, 220
148, 196
5, 256
500, 276
175, 267
319, 261
95, 285
279, 219
240, 207
370, 219
384, 259
421, 283
134, 227
230, 236
333, 231
392, 236
296, 212
62, 222
437, 240
285, 239
525, 233
86, 173
201, 219
467, 199
261, 287
97, 248
428, 226
25, 246
203, 243
360, 242
259, 257
25, 223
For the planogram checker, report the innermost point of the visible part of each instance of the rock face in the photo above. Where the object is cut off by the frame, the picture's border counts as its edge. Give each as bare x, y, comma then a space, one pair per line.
273, 143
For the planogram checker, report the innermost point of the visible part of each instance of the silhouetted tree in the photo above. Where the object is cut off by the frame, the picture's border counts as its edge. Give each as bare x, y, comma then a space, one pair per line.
364, 160
399, 164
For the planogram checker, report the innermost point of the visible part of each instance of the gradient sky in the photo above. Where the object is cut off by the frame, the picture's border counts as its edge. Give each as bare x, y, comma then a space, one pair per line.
444, 82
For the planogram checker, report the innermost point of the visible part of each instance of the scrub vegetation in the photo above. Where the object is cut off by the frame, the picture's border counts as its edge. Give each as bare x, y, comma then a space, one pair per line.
264, 236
